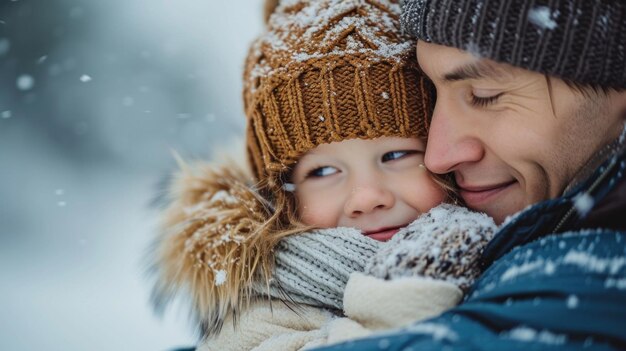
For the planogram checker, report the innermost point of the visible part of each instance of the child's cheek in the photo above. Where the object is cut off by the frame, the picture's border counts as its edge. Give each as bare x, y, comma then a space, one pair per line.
318, 207
421, 191
317, 216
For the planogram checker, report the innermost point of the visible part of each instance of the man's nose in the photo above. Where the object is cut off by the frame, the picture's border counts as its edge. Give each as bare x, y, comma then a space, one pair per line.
451, 141
367, 198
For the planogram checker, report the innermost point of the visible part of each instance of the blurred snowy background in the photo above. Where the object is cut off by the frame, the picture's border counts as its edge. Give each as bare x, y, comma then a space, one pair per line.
93, 96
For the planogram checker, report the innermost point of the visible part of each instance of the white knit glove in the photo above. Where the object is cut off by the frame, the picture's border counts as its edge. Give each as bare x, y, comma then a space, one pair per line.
444, 244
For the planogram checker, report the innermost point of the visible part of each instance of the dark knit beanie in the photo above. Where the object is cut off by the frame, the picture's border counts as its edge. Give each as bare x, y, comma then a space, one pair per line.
583, 41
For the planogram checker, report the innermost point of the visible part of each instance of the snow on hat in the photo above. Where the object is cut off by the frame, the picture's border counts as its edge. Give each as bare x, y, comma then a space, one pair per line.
330, 70
579, 40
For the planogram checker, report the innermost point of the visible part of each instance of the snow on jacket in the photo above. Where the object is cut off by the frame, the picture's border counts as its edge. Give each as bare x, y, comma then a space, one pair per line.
554, 279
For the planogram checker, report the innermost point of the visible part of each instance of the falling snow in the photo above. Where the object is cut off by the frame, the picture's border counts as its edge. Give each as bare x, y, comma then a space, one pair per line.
583, 203
572, 301
25, 82
54, 106
290, 187
542, 17
85, 78
473, 49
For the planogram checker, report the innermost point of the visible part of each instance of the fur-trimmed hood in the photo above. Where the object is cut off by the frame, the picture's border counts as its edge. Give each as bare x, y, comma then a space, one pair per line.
212, 251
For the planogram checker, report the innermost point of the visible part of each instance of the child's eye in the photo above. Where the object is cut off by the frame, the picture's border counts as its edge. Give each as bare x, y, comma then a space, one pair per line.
394, 155
322, 172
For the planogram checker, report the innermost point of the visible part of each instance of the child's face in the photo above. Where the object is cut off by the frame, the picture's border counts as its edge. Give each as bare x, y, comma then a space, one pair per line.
377, 186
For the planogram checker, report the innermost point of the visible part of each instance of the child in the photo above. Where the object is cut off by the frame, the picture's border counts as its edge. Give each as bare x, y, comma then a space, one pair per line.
337, 120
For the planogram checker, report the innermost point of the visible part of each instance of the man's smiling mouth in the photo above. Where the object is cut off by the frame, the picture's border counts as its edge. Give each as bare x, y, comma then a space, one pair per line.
479, 195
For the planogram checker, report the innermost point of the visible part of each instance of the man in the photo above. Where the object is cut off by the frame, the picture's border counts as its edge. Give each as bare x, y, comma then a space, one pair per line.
531, 108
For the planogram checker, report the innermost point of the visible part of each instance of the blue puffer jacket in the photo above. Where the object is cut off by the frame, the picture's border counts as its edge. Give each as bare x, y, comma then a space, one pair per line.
539, 290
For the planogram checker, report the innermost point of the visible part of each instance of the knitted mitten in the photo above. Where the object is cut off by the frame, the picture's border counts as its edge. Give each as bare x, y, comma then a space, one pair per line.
314, 267
443, 244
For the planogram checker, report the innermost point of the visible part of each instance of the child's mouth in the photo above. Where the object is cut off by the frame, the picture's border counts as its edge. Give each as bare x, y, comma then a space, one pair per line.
382, 234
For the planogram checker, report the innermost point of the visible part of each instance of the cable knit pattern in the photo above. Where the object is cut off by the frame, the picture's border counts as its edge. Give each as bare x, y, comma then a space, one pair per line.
314, 267
444, 244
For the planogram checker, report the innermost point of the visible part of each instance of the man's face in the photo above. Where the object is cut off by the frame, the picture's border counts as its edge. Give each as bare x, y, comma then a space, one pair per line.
512, 137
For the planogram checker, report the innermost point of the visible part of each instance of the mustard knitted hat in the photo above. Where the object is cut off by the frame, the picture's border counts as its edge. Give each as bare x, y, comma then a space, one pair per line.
330, 70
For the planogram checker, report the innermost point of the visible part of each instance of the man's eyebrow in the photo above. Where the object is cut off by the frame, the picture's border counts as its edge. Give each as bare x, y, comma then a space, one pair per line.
474, 70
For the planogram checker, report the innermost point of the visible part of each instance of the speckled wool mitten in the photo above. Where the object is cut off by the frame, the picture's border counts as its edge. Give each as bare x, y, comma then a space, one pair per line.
443, 244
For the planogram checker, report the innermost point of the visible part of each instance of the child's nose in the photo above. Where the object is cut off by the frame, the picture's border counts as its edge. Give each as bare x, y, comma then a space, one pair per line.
367, 199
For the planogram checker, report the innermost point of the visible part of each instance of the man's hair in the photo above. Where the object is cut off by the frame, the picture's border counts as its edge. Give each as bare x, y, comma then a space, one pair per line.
587, 89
